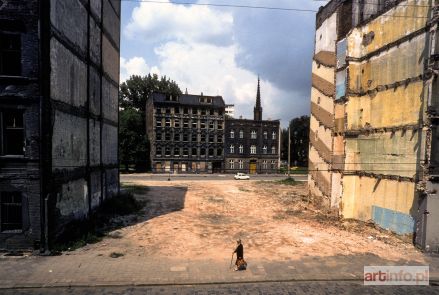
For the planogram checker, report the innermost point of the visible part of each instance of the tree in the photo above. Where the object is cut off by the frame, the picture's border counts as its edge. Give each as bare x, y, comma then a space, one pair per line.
134, 146
299, 131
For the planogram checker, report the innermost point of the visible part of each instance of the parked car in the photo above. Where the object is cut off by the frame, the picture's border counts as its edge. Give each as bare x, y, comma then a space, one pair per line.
239, 176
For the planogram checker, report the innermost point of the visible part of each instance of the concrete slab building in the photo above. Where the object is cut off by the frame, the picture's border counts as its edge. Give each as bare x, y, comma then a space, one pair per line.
374, 114
59, 77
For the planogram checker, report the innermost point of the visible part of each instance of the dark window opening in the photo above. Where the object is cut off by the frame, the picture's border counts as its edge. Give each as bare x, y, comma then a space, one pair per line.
212, 112
211, 153
10, 54
12, 132
11, 211
194, 151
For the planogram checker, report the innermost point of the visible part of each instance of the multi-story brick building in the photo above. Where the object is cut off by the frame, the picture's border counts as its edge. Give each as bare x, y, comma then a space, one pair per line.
252, 145
374, 105
186, 132
59, 76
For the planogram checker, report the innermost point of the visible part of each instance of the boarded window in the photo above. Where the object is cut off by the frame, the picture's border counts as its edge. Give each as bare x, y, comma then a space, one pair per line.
10, 54
340, 81
12, 132
11, 211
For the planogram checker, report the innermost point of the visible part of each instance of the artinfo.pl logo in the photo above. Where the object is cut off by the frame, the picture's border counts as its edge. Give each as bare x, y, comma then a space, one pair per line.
396, 275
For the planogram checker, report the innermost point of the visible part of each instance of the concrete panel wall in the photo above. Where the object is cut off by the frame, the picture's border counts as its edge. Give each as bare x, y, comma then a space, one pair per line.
336, 189
393, 107
110, 59
111, 26
381, 200
324, 72
396, 64
110, 94
73, 199
326, 35
95, 42
322, 133
95, 92
384, 153
325, 102
68, 82
109, 151
95, 189
389, 27
95, 142
70, 19
69, 142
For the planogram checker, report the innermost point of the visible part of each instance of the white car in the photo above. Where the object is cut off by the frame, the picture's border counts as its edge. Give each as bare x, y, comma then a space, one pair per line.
239, 176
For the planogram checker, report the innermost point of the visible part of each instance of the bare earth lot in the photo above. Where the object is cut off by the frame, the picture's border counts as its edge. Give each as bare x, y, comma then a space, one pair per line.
201, 220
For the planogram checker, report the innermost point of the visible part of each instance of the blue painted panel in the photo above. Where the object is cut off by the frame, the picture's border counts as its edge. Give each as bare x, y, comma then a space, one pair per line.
340, 84
395, 221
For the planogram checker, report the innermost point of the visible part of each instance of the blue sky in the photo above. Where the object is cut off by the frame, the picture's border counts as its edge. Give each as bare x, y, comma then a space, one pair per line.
221, 51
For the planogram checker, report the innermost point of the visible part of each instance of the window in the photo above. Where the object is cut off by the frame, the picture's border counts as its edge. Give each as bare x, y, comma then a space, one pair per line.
211, 153
194, 151
219, 152
168, 122
167, 152
12, 133
11, 211
158, 136
264, 149
219, 138
202, 152
241, 149
176, 136
158, 123
10, 54
212, 125
241, 164
220, 125
211, 138
194, 111
185, 137
273, 150
168, 111
241, 134
273, 135
194, 137
167, 136
232, 134
158, 151
232, 149
202, 124
194, 124
177, 123
211, 112
185, 123
185, 152
231, 164
273, 164
253, 134
264, 164
176, 152
203, 112
177, 110
253, 149
185, 111
220, 113
203, 138
265, 135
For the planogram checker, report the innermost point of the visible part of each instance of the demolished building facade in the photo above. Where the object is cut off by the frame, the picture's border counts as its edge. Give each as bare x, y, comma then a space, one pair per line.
374, 112
59, 77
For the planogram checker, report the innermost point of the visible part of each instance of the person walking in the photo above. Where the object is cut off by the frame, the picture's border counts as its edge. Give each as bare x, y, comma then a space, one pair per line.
240, 263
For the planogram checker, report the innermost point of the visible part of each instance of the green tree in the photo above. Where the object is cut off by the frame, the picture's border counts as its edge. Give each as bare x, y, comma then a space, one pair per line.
299, 131
134, 146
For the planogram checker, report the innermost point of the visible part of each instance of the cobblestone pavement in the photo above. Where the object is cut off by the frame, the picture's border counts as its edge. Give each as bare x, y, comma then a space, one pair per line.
277, 288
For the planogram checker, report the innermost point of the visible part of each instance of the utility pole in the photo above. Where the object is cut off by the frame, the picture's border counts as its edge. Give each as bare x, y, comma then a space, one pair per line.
289, 149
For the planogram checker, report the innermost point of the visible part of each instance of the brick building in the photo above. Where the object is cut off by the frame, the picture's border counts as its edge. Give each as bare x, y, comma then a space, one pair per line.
186, 132
59, 76
252, 146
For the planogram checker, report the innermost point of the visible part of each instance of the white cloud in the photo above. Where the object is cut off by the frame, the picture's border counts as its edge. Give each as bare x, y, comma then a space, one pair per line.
196, 47
154, 22
135, 66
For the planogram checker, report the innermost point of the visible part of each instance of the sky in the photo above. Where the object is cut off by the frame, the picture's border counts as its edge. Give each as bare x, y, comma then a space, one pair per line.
222, 50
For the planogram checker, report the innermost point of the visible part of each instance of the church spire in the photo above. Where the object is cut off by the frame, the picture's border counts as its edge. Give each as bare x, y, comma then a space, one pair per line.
258, 108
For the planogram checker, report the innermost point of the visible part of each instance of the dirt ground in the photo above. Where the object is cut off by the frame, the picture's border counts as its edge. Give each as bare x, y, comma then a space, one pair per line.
203, 219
